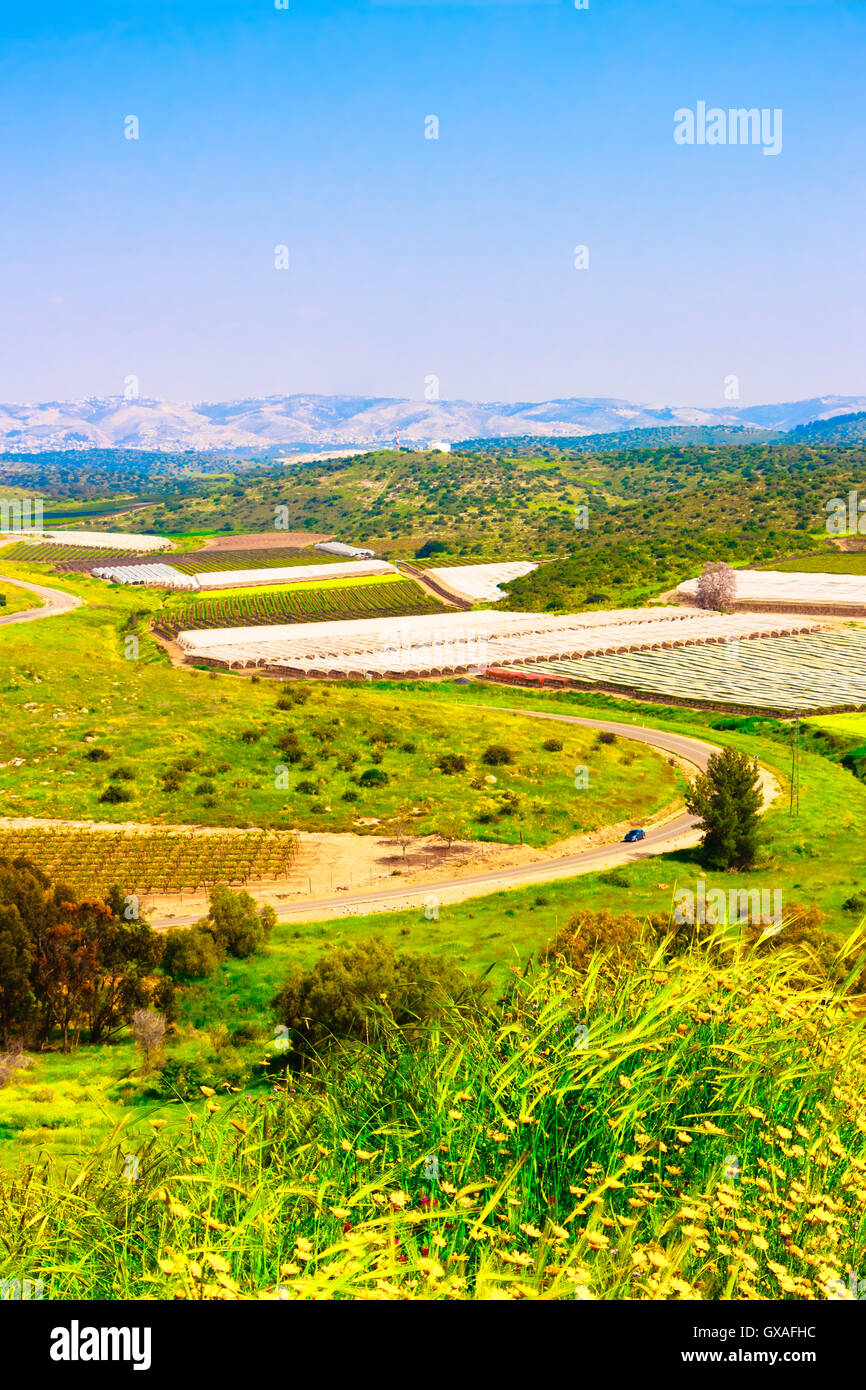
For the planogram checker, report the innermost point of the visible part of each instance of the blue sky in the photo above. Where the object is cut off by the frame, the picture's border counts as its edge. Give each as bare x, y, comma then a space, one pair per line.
412, 257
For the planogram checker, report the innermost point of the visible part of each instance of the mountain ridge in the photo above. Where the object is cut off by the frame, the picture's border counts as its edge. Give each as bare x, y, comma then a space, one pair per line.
295, 422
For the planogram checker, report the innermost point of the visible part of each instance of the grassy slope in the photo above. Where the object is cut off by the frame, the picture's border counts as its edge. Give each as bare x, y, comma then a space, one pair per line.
809, 859
146, 714
17, 600
645, 1164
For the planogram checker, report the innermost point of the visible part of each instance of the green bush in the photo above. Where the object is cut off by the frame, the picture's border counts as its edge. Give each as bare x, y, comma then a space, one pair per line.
552, 745
496, 755
236, 924
114, 795
190, 954
451, 762
373, 777
353, 991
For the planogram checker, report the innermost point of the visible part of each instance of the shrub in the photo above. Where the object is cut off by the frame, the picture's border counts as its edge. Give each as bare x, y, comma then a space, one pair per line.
588, 932
122, 774
856, 903
114, 795
250, 735
552, 745
172, 782
373, 777
451, 762
289, 747
606, 737
350, 795
190, 954
292, 695
496, 755
307, 788
352, 991
97, 755
205, 788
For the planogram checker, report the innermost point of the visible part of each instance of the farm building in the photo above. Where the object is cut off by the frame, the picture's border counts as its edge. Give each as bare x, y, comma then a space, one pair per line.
349, 552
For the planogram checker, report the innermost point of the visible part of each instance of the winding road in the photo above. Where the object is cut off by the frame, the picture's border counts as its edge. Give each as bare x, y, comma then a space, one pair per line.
54, 601
660, 839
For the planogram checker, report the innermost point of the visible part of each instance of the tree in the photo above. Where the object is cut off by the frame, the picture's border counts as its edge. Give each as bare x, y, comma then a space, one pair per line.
16, 959
717, 586
148, 1029
237, 926
449, 828
728, 799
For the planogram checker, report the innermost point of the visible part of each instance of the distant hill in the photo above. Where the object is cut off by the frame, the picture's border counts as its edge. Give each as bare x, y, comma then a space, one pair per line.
654, 438
841, 429
273, 424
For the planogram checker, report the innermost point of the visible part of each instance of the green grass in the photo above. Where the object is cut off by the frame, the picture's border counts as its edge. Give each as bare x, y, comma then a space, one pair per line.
828, 562
705, 1140
17, 600
70, 681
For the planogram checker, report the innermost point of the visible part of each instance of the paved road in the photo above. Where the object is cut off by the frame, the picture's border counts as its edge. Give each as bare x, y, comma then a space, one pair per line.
659, 840
54, 602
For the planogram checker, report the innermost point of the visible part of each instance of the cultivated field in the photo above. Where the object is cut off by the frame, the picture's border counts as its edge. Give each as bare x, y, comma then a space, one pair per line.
817, 671
481, 582
795, 590
383, 598
90, 734
93, 861
456, 642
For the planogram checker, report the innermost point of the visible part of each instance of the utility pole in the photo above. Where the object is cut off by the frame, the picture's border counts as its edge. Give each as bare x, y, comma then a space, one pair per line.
794, 808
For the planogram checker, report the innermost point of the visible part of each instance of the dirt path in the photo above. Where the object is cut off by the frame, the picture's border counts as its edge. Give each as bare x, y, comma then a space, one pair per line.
54, 602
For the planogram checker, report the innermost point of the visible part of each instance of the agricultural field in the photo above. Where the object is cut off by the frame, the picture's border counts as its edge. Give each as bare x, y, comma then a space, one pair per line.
335, 600
87, 730
69, 556
165, 861
830, 562
814, 671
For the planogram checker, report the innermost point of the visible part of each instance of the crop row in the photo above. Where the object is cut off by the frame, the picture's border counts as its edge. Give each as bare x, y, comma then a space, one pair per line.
148, 861
401, 599
811, 671
70, 557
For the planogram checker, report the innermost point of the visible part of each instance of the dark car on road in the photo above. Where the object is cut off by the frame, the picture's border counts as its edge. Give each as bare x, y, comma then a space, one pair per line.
633, 835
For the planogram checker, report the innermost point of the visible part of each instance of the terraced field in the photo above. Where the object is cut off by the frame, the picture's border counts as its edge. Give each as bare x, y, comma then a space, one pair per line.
401, 598
147, 861
814, 671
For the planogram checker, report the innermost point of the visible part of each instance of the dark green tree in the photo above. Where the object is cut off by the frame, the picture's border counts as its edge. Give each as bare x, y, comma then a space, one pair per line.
16, 959
728, 800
